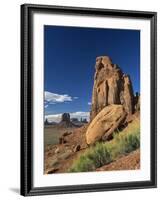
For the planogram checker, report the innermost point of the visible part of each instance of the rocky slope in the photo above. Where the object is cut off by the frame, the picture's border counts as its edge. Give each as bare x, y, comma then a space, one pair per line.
126, 162
58, 158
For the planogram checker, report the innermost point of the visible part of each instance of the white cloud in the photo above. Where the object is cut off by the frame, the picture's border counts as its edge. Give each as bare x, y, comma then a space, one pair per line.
89, 103
57, 117
46, 106
53, 118
80, 115
53, 98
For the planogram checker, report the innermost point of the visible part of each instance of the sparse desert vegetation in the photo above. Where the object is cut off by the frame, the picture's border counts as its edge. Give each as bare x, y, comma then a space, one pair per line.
102, 153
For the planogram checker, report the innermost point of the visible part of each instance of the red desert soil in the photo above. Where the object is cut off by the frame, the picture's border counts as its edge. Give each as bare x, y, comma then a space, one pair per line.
126, 162
59, 158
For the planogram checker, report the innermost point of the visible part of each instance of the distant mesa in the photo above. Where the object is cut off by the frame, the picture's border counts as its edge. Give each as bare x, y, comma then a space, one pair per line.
84, 120
74, 120
67, 122
65, 117
46, 123
80, 122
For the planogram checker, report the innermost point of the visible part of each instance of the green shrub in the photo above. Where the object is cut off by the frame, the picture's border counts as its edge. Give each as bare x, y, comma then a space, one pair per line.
131, 143
103, 153
126, 142
100, 155
93, 158
84, 164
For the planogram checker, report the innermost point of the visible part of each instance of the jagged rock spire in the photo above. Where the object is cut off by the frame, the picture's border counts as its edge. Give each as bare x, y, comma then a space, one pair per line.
111, 86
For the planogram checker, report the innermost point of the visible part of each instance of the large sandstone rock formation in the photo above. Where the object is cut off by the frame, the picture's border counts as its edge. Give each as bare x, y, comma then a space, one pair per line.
113, 100
105, 123
111, 86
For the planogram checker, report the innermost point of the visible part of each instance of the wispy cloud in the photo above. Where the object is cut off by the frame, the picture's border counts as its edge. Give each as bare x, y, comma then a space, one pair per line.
53, 98
78, 115
89, 103
46, 105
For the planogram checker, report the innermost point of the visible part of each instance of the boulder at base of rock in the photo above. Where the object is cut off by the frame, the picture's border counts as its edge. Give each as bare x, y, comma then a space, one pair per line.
105, 123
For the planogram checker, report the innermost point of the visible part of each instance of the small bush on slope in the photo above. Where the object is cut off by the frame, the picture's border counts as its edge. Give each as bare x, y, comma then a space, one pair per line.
103, 153
93, 158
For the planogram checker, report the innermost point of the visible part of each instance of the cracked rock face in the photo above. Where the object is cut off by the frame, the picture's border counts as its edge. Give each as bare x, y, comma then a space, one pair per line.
111, 86
105, 123
112, 100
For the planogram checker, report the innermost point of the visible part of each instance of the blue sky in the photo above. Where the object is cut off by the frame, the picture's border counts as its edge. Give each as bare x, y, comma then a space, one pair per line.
69, 60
